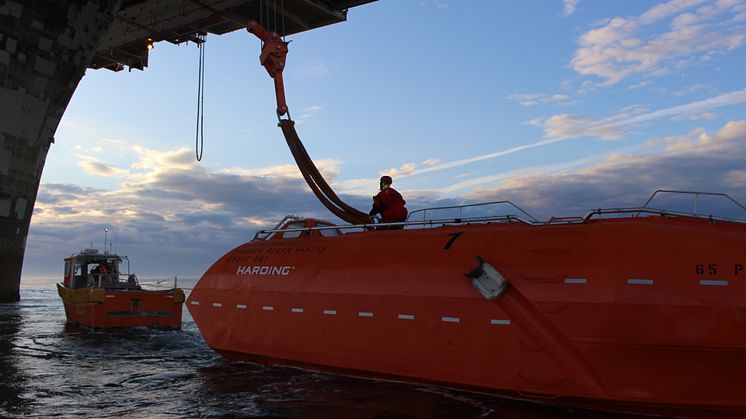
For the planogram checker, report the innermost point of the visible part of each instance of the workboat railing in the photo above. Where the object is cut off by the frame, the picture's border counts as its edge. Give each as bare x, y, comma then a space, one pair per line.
523, 218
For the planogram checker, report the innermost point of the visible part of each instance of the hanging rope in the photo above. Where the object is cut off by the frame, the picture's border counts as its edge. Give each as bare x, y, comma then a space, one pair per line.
261, 16
283, 20
199, 136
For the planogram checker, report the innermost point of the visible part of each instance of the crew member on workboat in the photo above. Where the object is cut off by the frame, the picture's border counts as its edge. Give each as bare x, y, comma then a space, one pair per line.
389, 203
96, 274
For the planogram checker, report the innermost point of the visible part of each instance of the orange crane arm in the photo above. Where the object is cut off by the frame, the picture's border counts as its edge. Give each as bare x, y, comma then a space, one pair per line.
273, 59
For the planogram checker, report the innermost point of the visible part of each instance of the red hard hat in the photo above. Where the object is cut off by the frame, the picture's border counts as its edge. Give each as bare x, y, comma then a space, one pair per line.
387, 180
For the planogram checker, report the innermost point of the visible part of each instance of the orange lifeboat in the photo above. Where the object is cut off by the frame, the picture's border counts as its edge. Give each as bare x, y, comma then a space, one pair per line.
96, 294
637, 309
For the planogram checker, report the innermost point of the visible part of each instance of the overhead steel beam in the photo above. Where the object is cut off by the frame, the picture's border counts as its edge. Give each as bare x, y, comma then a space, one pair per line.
326, 9
290, 15
178, 21
229, 15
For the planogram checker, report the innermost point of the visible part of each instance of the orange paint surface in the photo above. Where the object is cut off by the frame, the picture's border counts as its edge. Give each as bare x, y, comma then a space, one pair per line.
643, 314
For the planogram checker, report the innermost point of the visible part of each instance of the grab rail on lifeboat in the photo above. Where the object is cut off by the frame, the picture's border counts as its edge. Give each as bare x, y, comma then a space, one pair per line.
647, 209
510, 218
461, 208
696, 195
265, 234
642, 210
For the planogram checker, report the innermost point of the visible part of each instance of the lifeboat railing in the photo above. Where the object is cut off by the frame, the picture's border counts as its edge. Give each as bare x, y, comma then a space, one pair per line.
463, 207
266, 234
524, 217
637, 211
695, 196
648, 210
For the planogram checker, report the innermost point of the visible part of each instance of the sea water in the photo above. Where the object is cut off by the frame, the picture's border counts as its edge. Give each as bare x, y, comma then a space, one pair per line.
51, 369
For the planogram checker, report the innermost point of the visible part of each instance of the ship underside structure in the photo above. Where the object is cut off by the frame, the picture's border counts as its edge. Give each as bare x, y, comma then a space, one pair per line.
45, 48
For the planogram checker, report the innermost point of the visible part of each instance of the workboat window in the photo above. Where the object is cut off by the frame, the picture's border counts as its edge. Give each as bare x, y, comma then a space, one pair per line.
79, 279
293, 234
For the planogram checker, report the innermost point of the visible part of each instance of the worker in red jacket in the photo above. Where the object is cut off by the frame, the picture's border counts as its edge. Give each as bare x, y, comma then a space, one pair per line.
389, 204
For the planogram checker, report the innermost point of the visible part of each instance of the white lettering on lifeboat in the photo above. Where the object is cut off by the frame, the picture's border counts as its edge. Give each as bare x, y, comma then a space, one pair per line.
264, 270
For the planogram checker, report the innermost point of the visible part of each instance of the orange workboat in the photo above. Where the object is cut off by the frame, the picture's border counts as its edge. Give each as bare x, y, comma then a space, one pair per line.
97, 294
633, 309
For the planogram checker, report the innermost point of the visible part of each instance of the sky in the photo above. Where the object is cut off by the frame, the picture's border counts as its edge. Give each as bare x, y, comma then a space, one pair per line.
559, 106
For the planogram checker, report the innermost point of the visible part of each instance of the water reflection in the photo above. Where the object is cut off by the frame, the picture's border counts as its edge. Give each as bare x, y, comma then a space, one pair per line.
50, 369
12, 382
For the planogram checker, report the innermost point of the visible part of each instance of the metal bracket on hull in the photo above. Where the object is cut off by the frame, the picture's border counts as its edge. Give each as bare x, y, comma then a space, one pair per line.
487, 280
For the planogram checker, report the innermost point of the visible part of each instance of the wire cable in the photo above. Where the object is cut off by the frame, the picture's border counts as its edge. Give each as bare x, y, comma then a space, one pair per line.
199, 136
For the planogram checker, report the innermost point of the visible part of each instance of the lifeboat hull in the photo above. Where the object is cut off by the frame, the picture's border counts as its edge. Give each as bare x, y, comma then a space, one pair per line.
99, 308
639, 314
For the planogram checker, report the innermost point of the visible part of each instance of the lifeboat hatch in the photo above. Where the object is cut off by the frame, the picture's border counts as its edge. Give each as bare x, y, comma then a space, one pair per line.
487, 280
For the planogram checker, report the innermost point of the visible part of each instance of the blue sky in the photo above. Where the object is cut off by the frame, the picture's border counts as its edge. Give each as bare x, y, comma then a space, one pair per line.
560, 106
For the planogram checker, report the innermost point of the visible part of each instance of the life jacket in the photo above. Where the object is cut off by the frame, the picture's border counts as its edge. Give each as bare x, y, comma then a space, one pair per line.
391, 205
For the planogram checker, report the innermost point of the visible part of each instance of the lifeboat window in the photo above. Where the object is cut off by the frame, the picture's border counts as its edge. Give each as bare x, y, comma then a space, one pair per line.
293, 234
332, 232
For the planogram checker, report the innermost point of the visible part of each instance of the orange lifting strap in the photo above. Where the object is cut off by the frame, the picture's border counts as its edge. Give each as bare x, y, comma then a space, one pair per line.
272, 58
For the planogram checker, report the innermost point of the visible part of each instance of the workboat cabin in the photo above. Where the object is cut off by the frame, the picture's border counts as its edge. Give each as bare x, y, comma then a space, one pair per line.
90, 268
99, 291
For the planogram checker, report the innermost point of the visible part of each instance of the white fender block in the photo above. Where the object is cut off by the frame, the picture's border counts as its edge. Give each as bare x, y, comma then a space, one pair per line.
487, 280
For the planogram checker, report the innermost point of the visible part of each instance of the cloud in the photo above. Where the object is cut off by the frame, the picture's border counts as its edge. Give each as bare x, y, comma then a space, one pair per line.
170, 206
175, 218
94, 167
438, 4
329, 169
462, 162
403, 170
312, 70
308, 113
574, 126
695, 116
613, 127
558, 128
640, 84
621, 47
530, 99
695, 161
694, 88
569, 6
727, 99
667, 9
